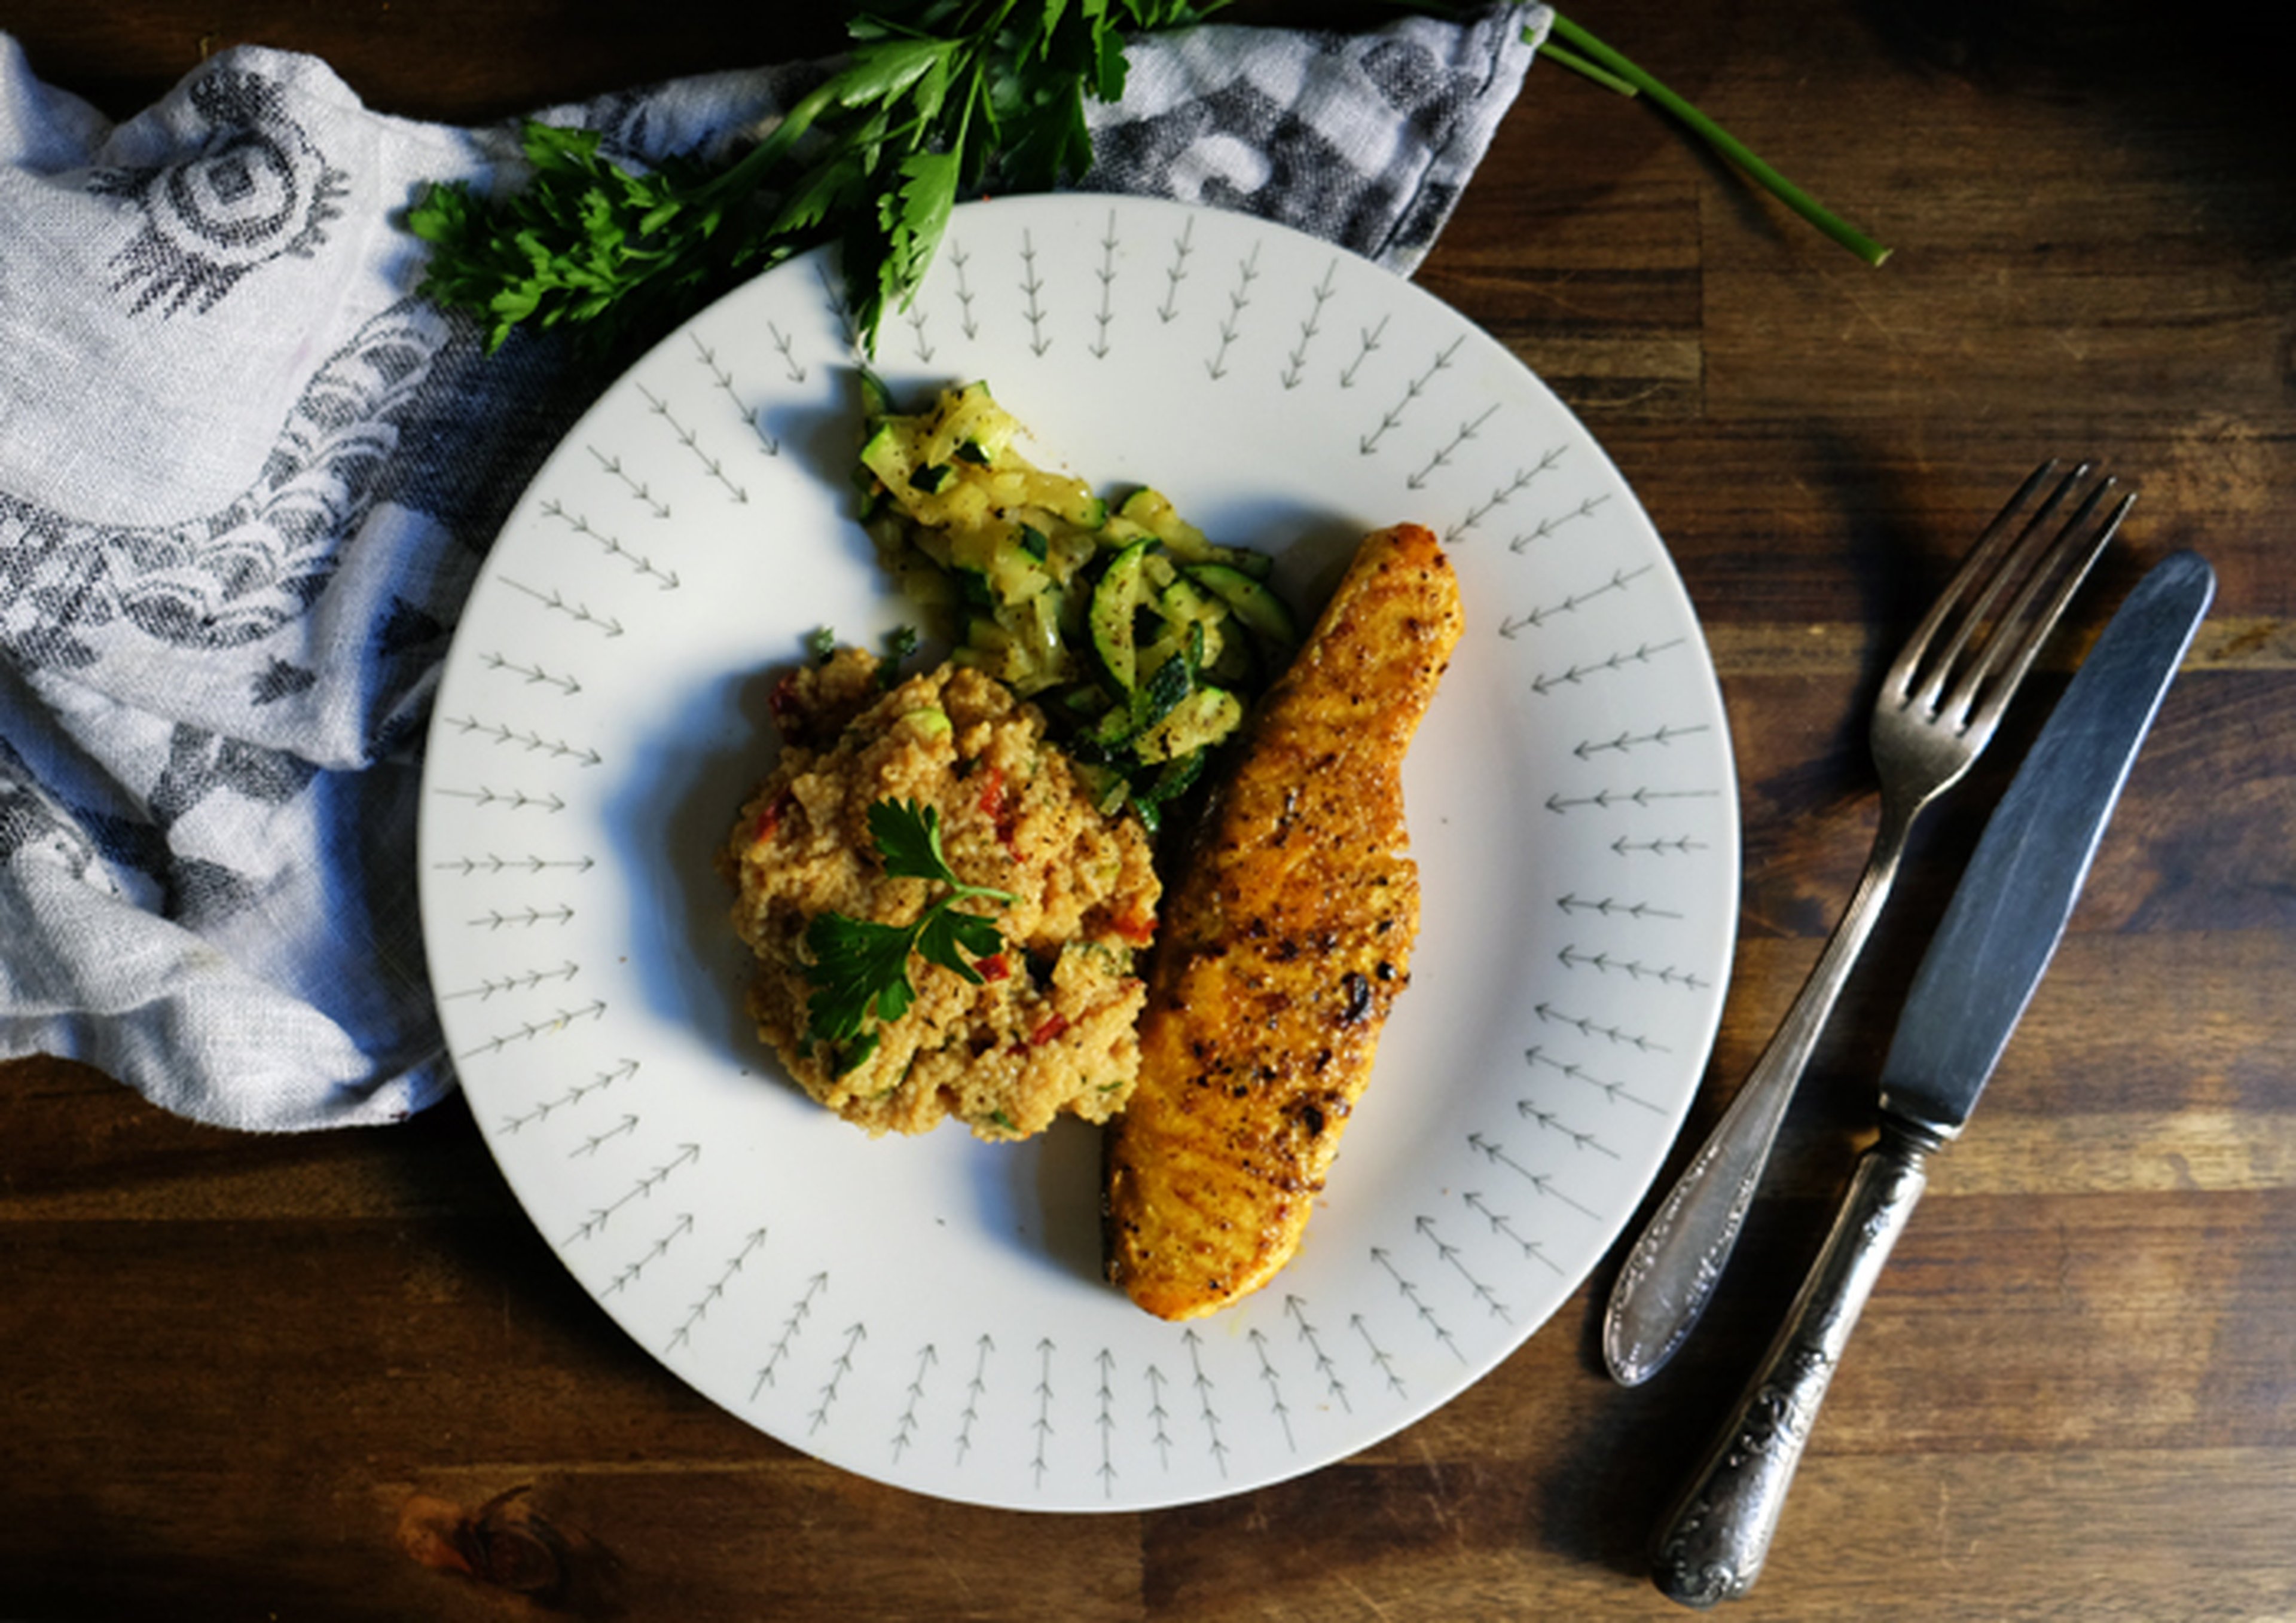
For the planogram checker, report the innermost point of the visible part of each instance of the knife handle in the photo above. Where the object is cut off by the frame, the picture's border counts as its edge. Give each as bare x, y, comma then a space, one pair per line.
1711, 1547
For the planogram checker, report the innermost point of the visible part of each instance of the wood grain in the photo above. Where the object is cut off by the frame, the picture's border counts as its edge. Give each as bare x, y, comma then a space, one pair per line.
231, 1362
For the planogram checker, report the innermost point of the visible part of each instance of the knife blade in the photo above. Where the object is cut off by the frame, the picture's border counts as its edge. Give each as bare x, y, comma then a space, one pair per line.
1988, 954
2013, 903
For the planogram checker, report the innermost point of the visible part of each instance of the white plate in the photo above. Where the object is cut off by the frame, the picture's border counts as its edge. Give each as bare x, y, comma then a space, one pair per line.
927, 1312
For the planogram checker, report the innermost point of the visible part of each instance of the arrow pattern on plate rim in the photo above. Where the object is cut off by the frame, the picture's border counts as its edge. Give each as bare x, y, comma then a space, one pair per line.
1449, 448
1105, 314
1311, 326
1043, 1426
533, 743
750, 417
839, 1368
1628, 741
1502, 1224
638, 490
1680, 844
690, 439
580, 1091
1367, 344
1381, 1360
1608, 907
1296, 1310
715, 1292
521, 918
1391, 419
535, 675
836, 309
1104, 1396
514, 799
1032, 284
920, 342
959, 260
597, 1141
1514, 625
1571, 956
794, 1326
557, 602
1448, 1255
1552, 1121
1587, 1026
1239, 300
1547, 526
532, 1029
629, 1274
1537, 1058
1575, 675
528, 867
524, 980
1176, 272
1496, 1153
785, 346
1420, 1306
1523, 479
1642, 796
643, 1188
1159, 1417
1203, 1384
905, 1428
974, 1390
1274, 1383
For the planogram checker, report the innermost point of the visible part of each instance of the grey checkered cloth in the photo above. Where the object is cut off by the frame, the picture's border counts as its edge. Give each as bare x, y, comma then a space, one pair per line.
247, 478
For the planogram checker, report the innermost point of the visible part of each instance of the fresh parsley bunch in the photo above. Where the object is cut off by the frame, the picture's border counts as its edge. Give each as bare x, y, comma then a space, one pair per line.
936, 99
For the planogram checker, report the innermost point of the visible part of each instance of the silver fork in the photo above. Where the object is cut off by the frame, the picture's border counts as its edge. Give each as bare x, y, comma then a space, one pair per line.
1940, 704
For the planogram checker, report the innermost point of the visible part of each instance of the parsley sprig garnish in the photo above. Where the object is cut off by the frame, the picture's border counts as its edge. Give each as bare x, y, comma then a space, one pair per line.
935, 99
860, 968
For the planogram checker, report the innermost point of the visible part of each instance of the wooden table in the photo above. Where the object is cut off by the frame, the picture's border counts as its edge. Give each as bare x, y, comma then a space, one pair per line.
231, 1365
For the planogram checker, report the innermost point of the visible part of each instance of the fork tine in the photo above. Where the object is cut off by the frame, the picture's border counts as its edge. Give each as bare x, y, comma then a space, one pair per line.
1980, 567
1981, 624
2075, 548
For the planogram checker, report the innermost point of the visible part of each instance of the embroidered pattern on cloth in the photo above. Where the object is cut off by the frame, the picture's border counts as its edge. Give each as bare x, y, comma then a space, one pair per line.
257, 190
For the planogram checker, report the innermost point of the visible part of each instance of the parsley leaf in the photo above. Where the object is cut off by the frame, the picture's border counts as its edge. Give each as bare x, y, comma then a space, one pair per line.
859, 969
936, 98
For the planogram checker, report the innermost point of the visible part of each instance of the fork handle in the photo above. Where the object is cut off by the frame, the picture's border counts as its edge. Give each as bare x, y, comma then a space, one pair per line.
1669, 1276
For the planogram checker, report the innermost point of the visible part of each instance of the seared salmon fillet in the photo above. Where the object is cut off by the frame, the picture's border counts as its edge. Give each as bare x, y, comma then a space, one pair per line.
1286, 943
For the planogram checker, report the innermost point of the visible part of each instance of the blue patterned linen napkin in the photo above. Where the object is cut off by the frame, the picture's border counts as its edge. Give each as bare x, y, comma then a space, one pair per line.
247, 478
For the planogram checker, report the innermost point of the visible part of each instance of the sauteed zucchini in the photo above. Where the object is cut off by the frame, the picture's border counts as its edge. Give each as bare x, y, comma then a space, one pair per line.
1143, 640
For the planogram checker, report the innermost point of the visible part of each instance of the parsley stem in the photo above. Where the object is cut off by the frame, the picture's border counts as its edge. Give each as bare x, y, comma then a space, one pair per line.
1722, 141
793, 124
1584, 68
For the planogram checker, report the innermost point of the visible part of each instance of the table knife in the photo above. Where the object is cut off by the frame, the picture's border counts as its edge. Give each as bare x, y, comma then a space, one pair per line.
1989, 952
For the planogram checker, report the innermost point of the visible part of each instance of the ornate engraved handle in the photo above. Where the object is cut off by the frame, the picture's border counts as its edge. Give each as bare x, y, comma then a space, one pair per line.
1712, 1546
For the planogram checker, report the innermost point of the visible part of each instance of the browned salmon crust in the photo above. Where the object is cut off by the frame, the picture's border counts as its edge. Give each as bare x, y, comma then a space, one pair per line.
1282, 950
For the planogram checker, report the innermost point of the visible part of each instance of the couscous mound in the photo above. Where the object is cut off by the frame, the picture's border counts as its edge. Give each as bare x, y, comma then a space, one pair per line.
1051, 1026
